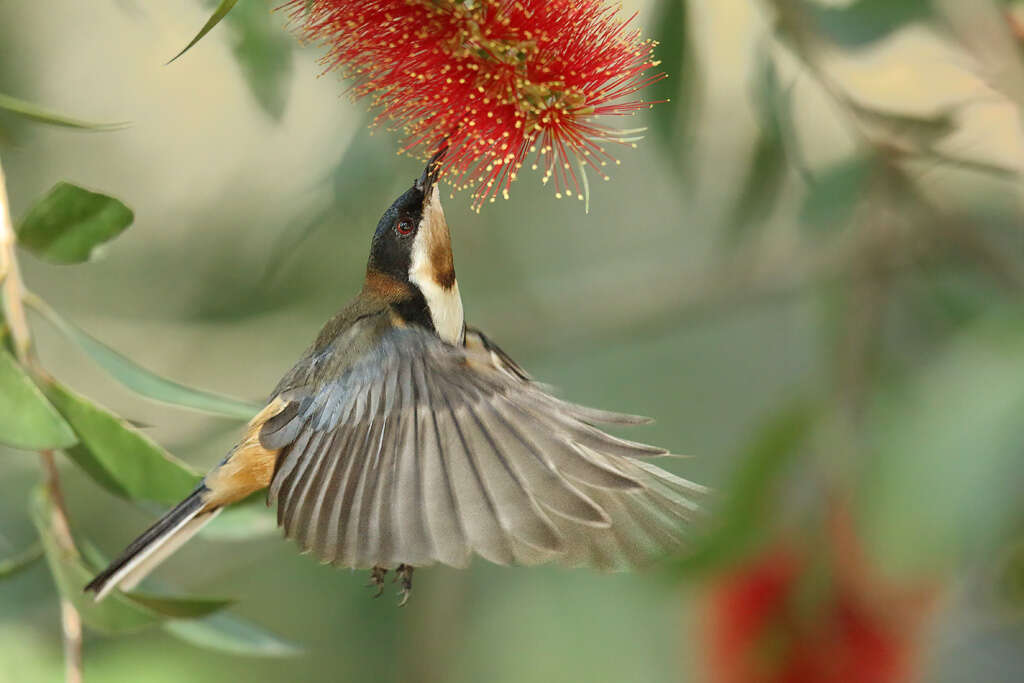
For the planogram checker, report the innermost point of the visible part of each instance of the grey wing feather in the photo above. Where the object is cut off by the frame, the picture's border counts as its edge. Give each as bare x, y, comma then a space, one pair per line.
421, 452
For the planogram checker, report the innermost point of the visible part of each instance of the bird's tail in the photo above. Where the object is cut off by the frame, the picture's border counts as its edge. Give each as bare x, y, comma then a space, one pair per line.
155, 544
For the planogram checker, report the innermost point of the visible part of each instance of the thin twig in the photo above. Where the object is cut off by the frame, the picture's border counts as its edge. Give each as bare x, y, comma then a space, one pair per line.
11, 299
10, 280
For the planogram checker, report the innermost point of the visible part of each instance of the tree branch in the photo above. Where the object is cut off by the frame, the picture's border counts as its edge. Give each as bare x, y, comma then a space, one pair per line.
12, 292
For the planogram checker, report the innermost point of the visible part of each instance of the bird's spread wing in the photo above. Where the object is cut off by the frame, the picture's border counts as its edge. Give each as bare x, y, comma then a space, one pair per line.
421, 452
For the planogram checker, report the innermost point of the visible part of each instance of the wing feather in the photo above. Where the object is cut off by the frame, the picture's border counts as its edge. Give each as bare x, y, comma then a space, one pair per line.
476, 508
421, 452
442, 514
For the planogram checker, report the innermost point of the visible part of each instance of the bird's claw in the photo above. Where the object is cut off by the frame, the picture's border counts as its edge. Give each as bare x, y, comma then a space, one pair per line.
404, 574
377, 575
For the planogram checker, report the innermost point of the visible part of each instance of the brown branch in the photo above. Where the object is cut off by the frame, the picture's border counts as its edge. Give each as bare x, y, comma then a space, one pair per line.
12, 292
10, 280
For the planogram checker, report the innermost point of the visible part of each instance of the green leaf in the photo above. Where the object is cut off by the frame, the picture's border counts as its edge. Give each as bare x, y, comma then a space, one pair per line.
1008, 579
180, 606
69, 223
227, 633
119, 612
909, 133
863, 22
27, 420
170, 606
115, 614
942, 483
264, 52
143, 381
34, 112
18, 563
222, 9
762, 185
742, 518
672, 121
831, 200
118, 456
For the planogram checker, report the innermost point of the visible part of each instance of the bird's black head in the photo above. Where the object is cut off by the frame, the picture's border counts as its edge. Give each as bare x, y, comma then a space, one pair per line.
391, 252
411, 264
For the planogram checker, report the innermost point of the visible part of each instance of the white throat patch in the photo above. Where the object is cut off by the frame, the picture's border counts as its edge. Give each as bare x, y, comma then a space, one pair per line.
432, 240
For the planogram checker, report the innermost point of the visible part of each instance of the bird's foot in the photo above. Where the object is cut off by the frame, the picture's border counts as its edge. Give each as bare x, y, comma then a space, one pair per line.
377, 575
404, 574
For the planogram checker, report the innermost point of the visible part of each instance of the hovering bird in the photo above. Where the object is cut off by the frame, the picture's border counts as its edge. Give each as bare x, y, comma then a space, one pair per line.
404, 437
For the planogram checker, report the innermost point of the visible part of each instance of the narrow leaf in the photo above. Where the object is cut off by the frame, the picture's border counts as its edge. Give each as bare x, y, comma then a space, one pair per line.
768, 165
170, 606
906, 132
119, 612
672, 121
119, 457
141, 380
672, 37
180, 607
222, 9
862, 22
835, 194
34, 112
264, 52
115, 614
227, 633
761, 186
27, 420
18, 563
69, 223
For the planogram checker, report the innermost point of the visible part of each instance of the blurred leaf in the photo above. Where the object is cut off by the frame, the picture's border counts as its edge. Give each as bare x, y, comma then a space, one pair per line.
119, 612
34, 112
242, 522
227, 633
16, 564
27, 420
831, 200
143, 381
1009, 578
905, 132
264, 53
359, 169
222, 9
862, 22
943, 476
69, 223
743, 516
116, 614
118, 456
768, 165
180, 607
170, 606
671, 120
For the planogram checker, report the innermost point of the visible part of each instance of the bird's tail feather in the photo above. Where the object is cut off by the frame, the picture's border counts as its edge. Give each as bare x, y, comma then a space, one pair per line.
155, 545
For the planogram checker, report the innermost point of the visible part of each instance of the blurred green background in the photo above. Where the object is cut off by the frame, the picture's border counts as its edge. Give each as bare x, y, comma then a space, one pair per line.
809, 273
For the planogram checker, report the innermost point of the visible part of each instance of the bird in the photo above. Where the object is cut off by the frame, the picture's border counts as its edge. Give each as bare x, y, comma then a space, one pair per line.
404, 438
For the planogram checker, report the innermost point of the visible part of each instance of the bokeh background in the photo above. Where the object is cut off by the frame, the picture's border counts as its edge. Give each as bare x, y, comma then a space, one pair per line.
809, 273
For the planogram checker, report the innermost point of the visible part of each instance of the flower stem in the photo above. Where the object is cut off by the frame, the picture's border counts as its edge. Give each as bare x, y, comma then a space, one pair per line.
12, 292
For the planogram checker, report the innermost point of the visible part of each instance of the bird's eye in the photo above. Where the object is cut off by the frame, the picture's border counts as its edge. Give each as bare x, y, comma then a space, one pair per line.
404, 227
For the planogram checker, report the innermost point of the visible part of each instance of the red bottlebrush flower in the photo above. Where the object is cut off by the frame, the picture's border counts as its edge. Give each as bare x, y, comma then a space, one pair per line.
791, 617
499, 80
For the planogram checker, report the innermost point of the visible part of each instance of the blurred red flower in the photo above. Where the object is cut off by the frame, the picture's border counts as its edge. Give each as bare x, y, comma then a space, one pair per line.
499, 80
791, 616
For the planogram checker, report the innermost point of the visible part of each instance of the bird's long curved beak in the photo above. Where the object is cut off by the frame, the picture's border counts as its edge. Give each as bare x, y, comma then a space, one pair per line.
431, 173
